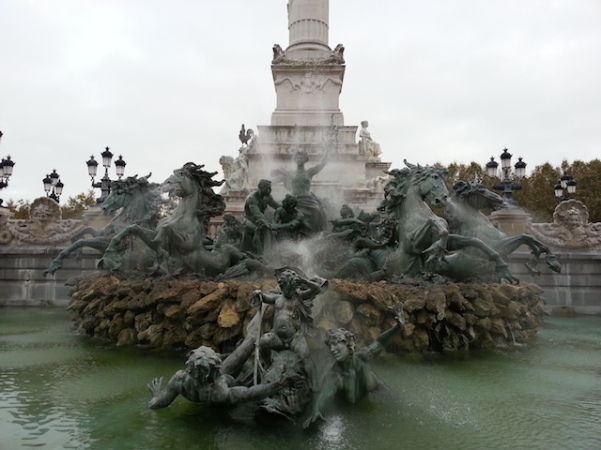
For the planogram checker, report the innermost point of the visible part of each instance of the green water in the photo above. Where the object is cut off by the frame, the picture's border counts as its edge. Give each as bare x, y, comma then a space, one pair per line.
59, 390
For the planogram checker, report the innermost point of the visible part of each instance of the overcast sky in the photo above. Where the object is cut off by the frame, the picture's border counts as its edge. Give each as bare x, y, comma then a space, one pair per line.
164, 83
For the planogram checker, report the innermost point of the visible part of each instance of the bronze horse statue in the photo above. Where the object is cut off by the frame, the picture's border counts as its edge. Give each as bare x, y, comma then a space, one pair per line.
425, 243
138, 202
178, 240
464, 218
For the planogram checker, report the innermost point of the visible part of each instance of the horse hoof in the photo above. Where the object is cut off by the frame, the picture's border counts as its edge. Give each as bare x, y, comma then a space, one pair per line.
553, 264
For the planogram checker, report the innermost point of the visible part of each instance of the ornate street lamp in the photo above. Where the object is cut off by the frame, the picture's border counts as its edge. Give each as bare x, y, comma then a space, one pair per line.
6, 170
53, 186
507, 185
565, 187
105, 182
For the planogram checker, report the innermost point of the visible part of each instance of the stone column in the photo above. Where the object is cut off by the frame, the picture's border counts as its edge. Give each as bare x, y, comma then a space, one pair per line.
308, 29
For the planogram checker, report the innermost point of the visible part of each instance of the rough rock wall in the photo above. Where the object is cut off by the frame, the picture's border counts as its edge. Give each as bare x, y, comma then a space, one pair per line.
187, 314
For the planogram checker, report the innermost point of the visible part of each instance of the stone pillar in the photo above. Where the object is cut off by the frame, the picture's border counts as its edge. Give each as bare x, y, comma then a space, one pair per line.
512, 222
308, 29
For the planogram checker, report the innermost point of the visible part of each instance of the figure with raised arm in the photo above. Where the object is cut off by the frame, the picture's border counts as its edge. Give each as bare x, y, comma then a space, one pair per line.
292, 318
298, 182
350, 377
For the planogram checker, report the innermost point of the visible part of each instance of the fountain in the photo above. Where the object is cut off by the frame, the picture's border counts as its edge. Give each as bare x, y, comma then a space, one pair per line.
280, 311
216, 299
265, 327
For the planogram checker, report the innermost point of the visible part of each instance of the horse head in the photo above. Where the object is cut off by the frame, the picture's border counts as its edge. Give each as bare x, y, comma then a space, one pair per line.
476, 195
180, 183
122, 192
195, 185
430, 183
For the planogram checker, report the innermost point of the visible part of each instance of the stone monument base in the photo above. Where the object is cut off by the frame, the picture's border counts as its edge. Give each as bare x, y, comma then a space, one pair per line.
512, 222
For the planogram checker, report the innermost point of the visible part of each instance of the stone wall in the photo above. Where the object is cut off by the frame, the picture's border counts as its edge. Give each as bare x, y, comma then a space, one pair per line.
22, 281
187, 314
576, 290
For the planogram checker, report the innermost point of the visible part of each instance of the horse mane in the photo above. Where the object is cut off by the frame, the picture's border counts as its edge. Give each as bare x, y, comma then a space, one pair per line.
463, 189
150, 191
462, 203
210, 203
131, 184
395, 190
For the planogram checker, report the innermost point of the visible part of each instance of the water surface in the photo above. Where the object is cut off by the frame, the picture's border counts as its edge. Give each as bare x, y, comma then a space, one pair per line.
60, 390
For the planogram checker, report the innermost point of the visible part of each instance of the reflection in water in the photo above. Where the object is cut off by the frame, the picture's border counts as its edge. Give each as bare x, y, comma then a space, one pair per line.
60, 390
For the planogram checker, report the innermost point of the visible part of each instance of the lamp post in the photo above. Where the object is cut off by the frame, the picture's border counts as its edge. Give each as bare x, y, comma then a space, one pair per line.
105, 182
53, 186
565, 187
507, 185
6, 170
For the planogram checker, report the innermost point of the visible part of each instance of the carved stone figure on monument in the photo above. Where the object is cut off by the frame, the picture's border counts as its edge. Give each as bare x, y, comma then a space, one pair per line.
235, 171
227, 162
245, 135
257, 228
288, 220
298, 182
367, 146
44, 227
570, 228
278, 54
338, 54
377, 184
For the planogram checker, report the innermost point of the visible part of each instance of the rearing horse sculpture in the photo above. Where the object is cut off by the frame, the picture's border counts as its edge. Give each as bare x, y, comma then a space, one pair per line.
425, 243
138, 201
464, 218
177, 241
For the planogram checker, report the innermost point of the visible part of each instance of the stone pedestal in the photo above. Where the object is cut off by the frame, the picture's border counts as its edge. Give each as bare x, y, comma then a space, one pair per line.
307, 94
511, 221
95, 218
